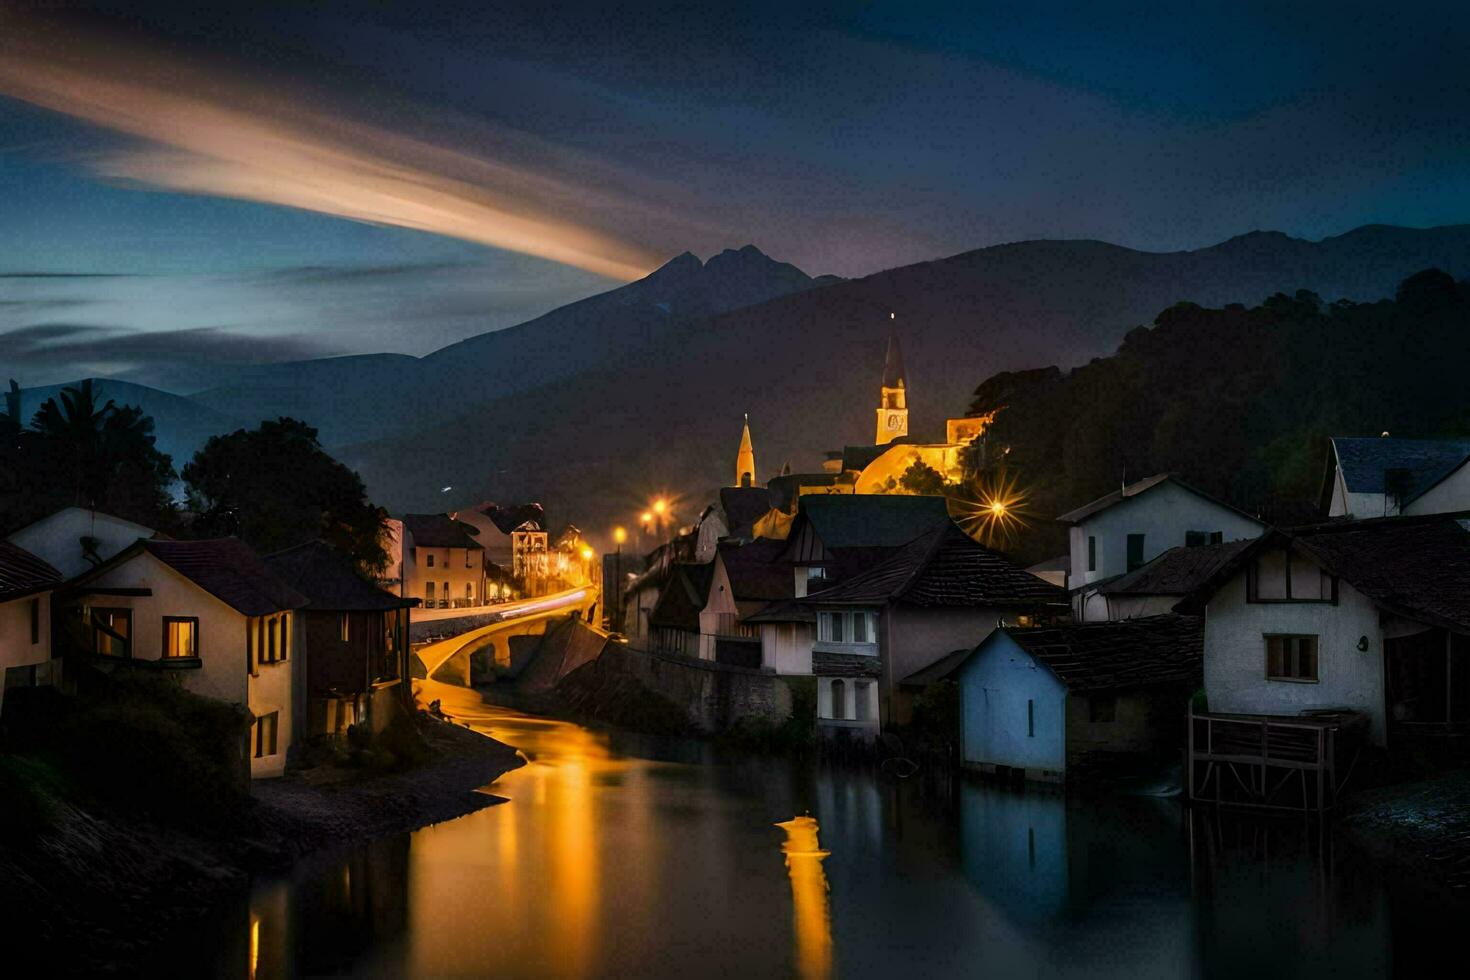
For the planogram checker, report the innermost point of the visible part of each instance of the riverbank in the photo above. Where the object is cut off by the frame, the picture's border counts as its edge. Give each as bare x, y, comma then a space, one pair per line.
1419, 831
94, 889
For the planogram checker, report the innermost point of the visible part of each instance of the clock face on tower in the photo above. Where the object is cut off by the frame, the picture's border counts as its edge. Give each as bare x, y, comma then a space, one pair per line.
894, 422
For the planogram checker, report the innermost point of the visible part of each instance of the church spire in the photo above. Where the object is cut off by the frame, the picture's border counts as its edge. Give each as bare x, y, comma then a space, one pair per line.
745, 459
893, 408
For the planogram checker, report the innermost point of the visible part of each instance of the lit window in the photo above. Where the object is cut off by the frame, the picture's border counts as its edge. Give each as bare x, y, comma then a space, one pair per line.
343, 625
1291, 658
112, 630
180, 636
265, 734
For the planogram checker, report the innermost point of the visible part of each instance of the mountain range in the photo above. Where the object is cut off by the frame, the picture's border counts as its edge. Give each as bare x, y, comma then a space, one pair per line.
595, 406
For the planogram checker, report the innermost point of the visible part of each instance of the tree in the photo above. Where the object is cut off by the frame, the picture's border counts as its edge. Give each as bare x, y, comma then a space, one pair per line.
921, 478
275, 487
79, 453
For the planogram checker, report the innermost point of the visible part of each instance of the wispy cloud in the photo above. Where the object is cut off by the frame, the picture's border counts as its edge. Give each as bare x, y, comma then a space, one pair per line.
209, 131
110, 350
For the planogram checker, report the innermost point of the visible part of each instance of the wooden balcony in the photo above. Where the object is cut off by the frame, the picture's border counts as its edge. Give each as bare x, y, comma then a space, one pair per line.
1283, 762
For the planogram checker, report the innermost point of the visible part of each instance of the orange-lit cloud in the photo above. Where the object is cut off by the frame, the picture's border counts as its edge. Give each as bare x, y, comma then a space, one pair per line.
209, 131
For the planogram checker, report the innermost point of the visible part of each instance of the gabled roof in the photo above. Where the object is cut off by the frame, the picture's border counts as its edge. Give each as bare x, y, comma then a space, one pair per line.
226, 568
22, 573
1110, 656
743, 506
1178, 571
870, 520
1365, 463
784, 611
755, 570
509, 519
329, 582
683, 596
1416, 567
945, 567
1138, 489
441, 531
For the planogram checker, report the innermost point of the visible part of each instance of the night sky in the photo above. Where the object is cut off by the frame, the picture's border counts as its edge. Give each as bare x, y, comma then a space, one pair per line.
182, 187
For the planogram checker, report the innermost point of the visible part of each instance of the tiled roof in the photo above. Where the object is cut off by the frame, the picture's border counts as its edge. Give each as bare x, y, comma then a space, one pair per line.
784, 611
510, 518
756, 571
1365, 462
871, 520
1178, 571
1417, 567
440, 531
227, 569
22, 573
1119, 655
844, 665
743, 506
329, 582
945, 567
683, 597
1135, 489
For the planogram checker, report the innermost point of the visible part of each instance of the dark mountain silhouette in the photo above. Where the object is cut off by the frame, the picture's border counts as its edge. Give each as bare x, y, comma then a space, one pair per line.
355, 398
660, 410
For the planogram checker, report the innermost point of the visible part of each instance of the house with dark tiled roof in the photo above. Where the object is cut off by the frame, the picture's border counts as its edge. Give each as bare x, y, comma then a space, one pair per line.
1384, 476
940, 591
674, 621
734, 514
1124, 530
212, 613
1047, 702
26, 585
744, 579
352, 660
443, 561
1163, 583
836, 536
1372, 616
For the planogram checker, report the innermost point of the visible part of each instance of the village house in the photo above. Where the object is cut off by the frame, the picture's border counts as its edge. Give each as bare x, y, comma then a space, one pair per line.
1048, 703
835, 537
939, 592
26, 585
674, 621
211, 612
642, 591
744, 579
734, 514
1372, 616
352, 663
1163, 583
1381, 477
443, 564
75, 539
1122, 531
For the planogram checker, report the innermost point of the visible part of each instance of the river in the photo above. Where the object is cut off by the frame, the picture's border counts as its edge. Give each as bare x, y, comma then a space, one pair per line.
618, 855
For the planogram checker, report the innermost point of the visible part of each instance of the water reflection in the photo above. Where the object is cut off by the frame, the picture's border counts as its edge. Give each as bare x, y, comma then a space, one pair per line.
620, 855
810, 916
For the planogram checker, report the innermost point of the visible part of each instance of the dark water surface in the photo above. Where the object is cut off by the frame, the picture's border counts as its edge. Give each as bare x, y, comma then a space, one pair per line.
623, 856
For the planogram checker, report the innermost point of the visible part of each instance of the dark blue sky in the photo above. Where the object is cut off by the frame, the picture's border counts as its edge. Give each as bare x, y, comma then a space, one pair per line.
227, 170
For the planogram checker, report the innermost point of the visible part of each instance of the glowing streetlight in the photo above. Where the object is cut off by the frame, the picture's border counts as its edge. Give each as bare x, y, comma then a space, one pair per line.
646, 518
620, 535
660, 506
998, 508
586, 553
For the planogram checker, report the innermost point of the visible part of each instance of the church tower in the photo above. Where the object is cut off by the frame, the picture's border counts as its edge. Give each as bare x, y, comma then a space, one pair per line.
745, 459
893, 406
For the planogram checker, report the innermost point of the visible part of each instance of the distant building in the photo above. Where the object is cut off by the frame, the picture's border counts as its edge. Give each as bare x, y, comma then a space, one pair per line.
893, 408
74, 539
212, 613
734, 514
674, 620
352, 665
443, 564
744, 579
26, 584
1383, 477
745, 459
1048, 701
1122, 531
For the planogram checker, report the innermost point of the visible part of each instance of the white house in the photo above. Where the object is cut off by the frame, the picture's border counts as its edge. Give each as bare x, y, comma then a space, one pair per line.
26, 584
1126, 529
1385, 476
1162, 584
443, 563
75, 539
1372, 616
1042, 702
213, 613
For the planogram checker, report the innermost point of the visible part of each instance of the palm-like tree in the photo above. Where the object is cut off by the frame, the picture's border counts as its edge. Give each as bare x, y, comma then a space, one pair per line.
75, 427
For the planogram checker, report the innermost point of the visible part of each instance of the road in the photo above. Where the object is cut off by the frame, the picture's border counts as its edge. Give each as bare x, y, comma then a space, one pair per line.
520, 618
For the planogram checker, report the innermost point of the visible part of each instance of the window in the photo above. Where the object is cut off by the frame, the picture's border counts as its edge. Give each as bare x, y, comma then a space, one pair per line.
860, 691
428, 594
816, 571
429, 560
1291, 658
847, 627
35, 621
860, 628
1102, 709
839, 700
1030, 718
275, 642
180, 636
469, 594
1194, 539
112, 631
265, 734
1279, 575
1091, 553
344, 627
444, 594
1135, 551
468, 554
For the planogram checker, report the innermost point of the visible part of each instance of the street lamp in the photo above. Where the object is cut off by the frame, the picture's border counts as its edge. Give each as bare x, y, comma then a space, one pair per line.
619, 536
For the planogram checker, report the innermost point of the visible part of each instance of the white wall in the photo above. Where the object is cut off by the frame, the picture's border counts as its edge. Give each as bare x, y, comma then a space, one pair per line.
16, 648
786, 648
1235, 655
1162, 514
850, 695
57, 538
995, 685
1449, 495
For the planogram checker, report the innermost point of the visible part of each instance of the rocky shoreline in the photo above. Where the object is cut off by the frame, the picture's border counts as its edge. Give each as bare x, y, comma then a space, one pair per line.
99, 890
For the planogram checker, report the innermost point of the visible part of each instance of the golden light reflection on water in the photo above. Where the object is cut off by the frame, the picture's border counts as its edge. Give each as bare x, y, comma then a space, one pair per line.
811, 915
